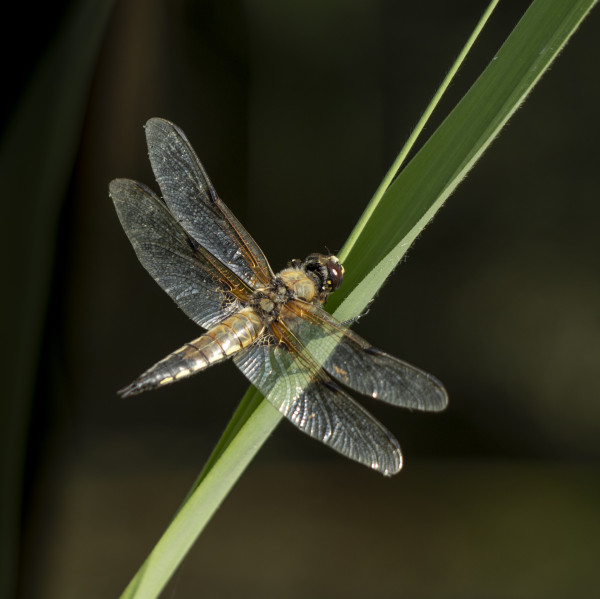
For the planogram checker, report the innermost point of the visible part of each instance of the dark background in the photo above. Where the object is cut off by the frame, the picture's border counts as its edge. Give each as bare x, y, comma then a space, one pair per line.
297, 109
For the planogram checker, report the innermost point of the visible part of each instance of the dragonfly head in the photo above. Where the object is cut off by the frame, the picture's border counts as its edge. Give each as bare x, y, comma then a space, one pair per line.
327, 269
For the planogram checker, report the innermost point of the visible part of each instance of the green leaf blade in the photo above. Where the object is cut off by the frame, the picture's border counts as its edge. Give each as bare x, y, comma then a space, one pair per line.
432, 175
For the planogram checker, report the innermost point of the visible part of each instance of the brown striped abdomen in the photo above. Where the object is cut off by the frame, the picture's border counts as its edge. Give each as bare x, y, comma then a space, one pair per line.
222, 341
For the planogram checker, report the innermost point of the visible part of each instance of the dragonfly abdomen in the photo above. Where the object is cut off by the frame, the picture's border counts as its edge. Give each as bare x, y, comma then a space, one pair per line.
222, 341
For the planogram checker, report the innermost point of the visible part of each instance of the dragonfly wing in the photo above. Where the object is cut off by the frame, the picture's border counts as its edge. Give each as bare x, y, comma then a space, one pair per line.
354, 362
195, 204
317, 405
206, 292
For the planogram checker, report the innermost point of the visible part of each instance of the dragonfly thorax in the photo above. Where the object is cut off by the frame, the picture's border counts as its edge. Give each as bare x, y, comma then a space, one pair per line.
292, 283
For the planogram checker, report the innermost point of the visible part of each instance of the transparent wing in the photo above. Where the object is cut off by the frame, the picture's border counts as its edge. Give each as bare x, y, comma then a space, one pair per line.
204, 289
195, 204
357, 364
314, 403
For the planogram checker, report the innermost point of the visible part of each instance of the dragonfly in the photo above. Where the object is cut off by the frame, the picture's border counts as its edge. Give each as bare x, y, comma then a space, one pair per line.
272, 325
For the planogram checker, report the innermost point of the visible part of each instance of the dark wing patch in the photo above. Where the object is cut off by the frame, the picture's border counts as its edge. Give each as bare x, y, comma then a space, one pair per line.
195, 204
206, 294
351, 360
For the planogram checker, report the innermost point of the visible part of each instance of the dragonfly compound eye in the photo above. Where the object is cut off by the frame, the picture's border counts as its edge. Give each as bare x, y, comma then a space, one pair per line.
336, 272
